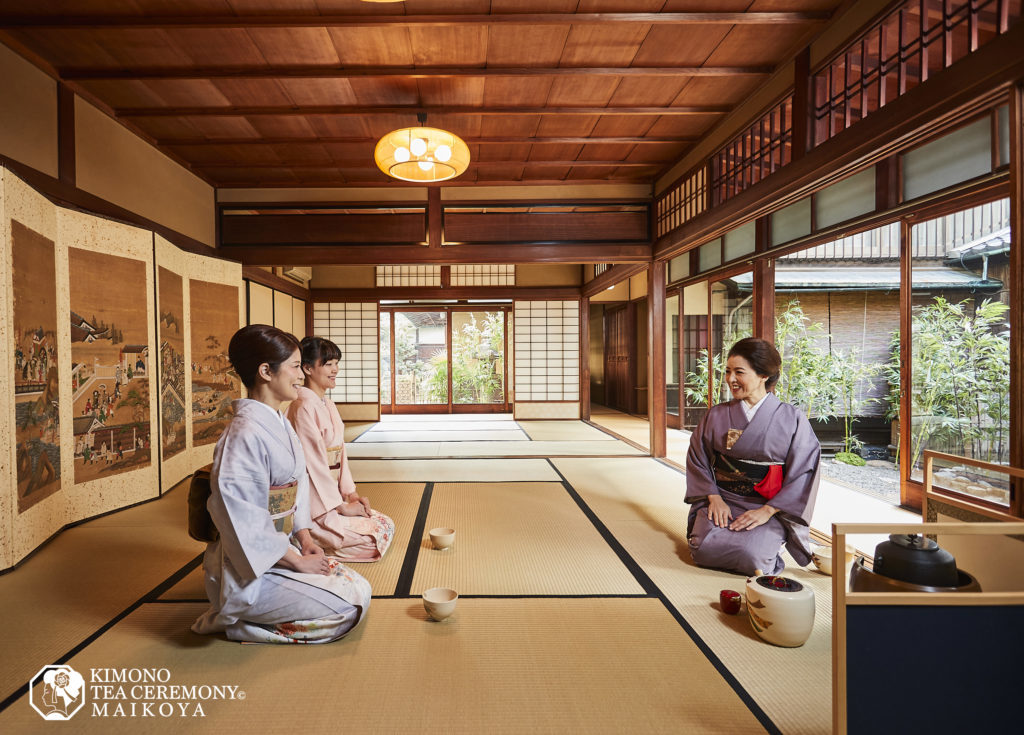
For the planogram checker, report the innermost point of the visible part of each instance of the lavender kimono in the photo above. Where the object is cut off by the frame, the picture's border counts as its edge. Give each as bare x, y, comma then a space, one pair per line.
250, 598
778, 433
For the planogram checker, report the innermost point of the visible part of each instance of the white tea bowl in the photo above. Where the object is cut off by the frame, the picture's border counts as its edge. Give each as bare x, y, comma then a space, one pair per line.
442, 538
439, 602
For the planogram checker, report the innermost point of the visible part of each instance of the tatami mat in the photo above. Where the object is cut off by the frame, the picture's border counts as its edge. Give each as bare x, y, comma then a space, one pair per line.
400, 501
541, 430
447, 470
454, 424
441, 436
517, 539
354, 429
83, 578
641, 503
457, 449
497, 666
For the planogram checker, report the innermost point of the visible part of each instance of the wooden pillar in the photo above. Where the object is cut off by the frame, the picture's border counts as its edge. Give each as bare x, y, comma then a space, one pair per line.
802, 104
435, 225
910, 493
763, 278
629, 401
1016, 289
585, 358
656, 412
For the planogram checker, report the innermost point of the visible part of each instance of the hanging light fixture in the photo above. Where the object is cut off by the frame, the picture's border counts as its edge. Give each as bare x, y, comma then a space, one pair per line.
422, 154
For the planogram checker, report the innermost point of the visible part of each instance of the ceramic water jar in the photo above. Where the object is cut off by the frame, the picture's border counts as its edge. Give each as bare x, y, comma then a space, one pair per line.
781, 610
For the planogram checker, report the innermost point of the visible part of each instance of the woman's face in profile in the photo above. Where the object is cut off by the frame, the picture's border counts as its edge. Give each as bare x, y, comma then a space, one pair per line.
743, 381
288, 378
323, 375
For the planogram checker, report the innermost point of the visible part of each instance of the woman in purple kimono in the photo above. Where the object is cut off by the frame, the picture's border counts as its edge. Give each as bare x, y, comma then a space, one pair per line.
751, 471
267, 579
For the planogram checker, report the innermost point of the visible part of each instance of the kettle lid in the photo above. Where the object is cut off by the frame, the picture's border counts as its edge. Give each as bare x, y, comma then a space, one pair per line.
913, 541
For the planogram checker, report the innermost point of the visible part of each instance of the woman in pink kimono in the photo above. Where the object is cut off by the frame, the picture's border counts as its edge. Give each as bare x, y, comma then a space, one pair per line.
343, 521
266, 578
751, 471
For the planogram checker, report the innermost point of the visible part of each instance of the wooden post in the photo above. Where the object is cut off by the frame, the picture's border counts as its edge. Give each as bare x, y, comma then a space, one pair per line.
585, 358
1016, 288
656, 413
910, 494
435, 225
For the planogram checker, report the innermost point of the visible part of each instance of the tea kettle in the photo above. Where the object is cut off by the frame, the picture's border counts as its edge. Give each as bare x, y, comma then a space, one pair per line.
911, 563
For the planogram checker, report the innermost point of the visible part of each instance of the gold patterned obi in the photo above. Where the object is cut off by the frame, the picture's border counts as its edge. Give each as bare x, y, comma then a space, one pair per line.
281, 504
334, 457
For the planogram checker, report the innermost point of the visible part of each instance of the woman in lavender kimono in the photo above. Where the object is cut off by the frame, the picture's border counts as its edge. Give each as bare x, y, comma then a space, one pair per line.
267, 579
343, 522
751, 471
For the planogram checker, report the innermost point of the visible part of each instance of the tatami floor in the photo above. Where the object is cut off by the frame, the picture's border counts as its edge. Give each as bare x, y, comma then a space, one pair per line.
580, 611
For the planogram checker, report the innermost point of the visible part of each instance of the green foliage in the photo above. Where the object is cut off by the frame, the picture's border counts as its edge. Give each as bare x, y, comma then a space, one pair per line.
960, 383
850, 458
806, 363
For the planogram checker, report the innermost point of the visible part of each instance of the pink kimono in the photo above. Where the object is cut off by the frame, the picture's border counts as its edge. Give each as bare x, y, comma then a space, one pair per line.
322, 434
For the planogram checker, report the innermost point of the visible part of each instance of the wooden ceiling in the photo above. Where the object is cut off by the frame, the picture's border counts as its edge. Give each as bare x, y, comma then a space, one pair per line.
260, 93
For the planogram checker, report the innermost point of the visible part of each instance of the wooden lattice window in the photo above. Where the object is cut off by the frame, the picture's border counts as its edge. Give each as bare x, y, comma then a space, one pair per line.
682, 202
764, 147
915, 40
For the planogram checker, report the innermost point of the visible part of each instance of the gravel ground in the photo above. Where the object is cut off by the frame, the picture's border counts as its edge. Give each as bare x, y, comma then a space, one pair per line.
878, 478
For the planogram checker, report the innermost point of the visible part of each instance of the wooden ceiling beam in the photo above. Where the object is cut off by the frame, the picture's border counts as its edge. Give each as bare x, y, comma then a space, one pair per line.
610, 277
387, 183
541, 293
581, 140
342, 110
348, 254
359, 165
348, 72
92, 22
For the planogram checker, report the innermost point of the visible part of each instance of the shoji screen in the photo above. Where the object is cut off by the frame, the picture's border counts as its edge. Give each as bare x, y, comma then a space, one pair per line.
353, 327
547, 359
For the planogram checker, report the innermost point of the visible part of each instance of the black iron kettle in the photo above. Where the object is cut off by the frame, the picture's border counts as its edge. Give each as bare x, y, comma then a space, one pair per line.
917, 560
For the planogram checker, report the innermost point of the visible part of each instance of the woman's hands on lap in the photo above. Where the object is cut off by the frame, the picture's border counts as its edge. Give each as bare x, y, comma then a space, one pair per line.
307, 546
718, 511
355, 507
753, 518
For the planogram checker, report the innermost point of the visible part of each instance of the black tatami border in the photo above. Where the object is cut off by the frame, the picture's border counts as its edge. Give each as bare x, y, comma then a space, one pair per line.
150, 596
649, 586
403, 587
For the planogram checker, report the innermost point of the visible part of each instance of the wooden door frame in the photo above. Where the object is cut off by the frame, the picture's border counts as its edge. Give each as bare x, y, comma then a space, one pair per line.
450, 407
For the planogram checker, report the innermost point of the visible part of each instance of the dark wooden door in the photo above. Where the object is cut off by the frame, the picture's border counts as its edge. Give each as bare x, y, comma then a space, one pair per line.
618, 359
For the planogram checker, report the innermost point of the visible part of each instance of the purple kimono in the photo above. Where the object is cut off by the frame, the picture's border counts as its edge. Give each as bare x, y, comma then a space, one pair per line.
779, 433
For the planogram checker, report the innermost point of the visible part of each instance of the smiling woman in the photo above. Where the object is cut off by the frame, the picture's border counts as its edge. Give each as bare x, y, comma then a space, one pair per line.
751, 471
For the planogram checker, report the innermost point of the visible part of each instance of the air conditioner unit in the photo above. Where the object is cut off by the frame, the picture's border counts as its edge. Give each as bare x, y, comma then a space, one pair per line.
300, 274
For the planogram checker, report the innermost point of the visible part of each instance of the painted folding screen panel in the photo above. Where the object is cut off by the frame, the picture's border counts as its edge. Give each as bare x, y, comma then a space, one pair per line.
36, 426
172, 363
214, 315
110, 364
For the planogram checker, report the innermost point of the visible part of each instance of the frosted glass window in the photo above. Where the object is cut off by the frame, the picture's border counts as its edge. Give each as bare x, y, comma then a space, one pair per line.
962, 155
679, 267
710, 255
791, 222
741, 241
1003, 126
846, 199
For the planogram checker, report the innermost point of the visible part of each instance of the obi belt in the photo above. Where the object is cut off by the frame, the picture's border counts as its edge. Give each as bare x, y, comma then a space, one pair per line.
334, 457
281, 504
746, 477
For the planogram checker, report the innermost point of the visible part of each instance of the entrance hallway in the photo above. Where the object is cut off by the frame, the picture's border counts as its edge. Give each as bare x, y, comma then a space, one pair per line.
580, 610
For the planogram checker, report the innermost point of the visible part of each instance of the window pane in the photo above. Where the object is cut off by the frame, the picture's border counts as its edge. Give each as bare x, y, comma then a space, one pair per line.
732, 319
695, 353
385, 358
478, 366
672, 354
960, 351
421, 358
959, 156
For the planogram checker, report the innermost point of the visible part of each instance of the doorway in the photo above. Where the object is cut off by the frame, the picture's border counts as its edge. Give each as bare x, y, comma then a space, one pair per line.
444, 359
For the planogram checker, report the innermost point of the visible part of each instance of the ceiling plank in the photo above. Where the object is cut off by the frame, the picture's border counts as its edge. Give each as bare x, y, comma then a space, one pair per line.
414, 109
346, 254
89, 22
570, 140
93, 73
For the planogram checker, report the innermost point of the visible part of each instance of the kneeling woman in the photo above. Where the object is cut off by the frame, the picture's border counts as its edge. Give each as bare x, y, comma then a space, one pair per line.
343, 522
267, 580
751, 471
